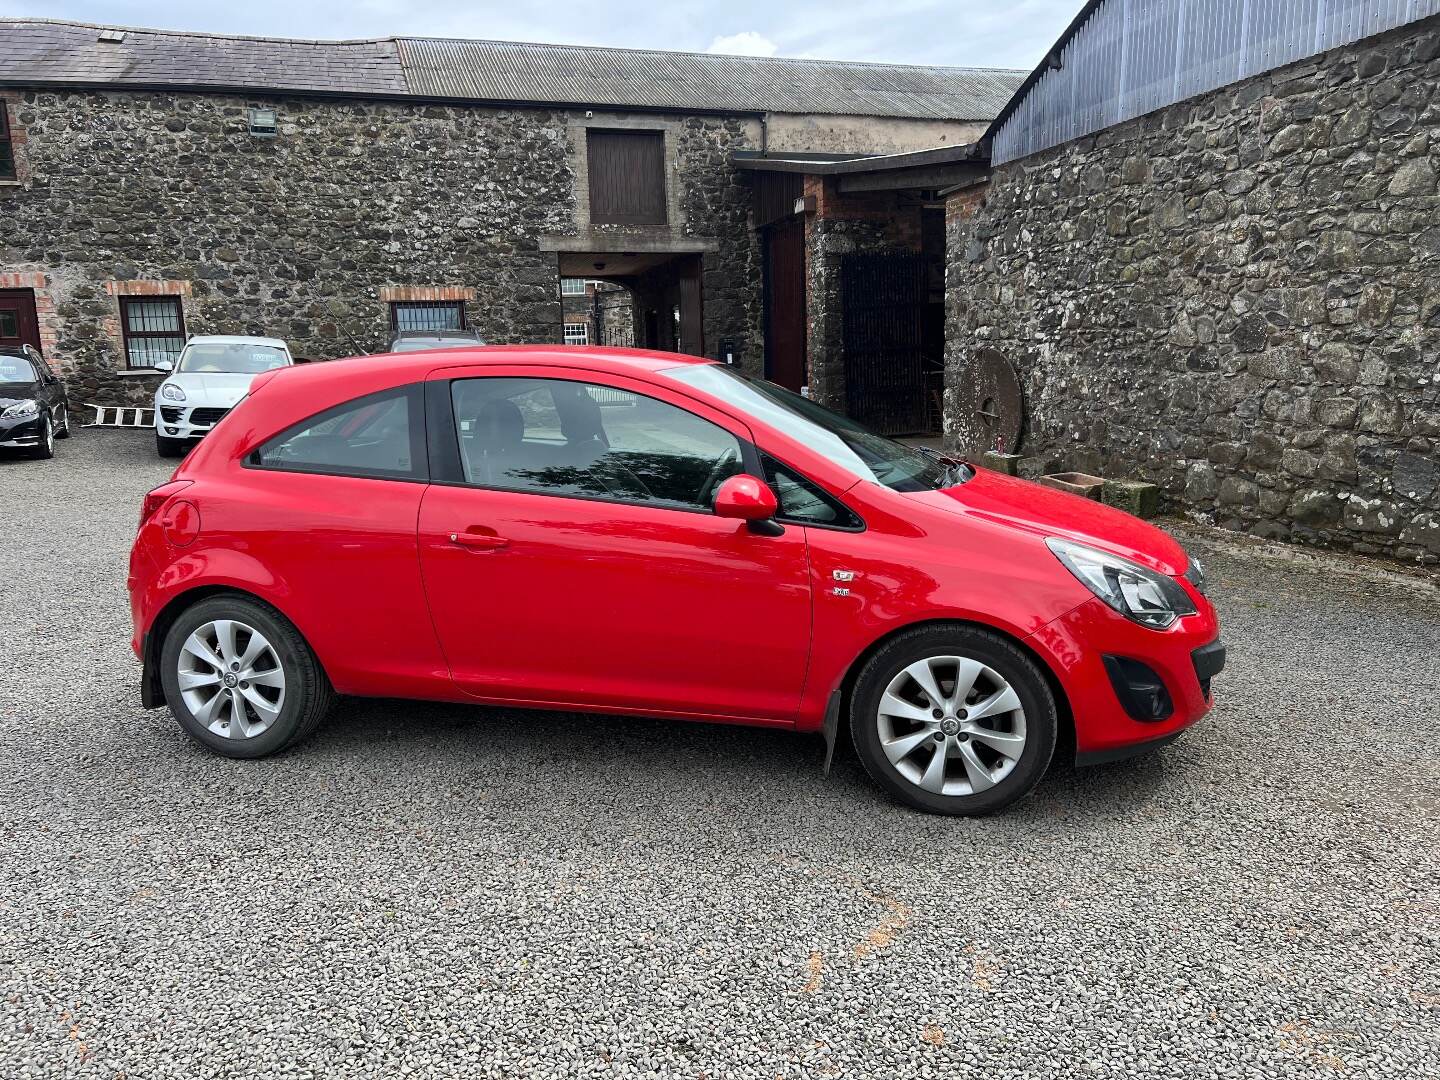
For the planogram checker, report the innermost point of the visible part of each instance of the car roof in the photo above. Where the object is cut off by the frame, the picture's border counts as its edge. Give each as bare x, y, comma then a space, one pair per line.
14, 350
436, 333
403, 367
236, 339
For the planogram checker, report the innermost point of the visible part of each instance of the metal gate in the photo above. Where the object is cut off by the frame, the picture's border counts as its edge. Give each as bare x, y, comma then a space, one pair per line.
883, 300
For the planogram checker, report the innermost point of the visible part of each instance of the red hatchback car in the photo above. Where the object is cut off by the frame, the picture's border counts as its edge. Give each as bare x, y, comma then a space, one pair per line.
619, 531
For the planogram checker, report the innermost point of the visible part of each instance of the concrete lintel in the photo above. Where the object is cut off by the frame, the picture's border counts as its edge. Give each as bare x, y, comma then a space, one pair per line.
615, 242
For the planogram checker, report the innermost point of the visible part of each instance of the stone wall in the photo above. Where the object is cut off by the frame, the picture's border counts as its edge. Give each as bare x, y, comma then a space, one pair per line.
1237, 298
298, 235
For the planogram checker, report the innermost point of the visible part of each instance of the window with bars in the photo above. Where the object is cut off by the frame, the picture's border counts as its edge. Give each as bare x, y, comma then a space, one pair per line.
427, 315
153, 329
7, 146
572, 286
577, 333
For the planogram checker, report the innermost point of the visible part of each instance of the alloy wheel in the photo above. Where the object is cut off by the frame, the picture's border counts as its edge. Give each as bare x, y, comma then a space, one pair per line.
231, 679
951, 725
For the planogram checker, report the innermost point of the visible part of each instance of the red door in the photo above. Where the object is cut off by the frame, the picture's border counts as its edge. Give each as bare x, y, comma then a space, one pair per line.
18, 324
546, 593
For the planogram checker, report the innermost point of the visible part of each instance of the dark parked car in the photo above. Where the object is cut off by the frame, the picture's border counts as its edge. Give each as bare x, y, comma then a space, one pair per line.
34, 410
421, 340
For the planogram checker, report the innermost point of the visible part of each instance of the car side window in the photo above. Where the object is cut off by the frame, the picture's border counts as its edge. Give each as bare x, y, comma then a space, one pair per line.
802, 502
380, 435
582, 440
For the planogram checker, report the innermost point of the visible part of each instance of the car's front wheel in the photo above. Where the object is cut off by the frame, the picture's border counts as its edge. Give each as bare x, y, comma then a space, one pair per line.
953, 720
45, 448
170, 448
240, 678
63, 424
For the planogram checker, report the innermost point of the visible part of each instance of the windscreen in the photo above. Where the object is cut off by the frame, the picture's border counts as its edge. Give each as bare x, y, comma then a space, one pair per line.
238, 358
868, 455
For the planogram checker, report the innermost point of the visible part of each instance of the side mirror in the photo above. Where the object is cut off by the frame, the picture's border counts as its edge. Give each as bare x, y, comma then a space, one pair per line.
748, 499
165, 366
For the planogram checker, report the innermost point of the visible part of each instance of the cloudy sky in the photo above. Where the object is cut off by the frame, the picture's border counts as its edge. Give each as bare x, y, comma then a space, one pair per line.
982, 33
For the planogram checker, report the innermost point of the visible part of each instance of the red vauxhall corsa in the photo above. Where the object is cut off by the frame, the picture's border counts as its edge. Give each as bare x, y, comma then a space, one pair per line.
618, 531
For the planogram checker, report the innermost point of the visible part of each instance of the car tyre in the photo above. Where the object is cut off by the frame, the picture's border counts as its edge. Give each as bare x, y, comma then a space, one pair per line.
169, 448
64, 427
230, 637
996, 737
45, 449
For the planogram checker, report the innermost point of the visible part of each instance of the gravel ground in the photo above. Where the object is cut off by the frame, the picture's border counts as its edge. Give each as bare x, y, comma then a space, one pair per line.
447, 891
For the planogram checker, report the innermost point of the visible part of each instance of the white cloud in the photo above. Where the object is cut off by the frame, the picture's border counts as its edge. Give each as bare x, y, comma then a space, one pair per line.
745, 43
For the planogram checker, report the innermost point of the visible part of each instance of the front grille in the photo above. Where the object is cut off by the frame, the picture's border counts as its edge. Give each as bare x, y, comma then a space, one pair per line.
206, 417
171, 413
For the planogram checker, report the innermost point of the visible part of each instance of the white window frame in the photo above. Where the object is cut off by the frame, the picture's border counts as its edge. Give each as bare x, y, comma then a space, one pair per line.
568, 286
577, 333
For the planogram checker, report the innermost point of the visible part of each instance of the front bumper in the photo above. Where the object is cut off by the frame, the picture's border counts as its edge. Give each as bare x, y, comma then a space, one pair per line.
1083, 646
186, 422
21, 431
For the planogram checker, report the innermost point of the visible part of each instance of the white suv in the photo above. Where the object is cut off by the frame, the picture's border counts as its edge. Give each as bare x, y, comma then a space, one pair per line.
213, 373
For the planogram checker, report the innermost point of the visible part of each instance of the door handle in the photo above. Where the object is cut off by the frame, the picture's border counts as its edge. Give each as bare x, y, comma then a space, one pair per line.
479, 541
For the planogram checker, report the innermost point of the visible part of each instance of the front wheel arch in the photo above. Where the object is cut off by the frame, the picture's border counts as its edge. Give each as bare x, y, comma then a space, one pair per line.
1064, 714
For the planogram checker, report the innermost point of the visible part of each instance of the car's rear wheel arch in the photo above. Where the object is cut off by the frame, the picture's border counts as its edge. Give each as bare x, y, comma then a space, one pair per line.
178, 605
1065, 715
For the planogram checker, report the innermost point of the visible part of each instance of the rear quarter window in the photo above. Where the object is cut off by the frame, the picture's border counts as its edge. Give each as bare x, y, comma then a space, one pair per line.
380, 436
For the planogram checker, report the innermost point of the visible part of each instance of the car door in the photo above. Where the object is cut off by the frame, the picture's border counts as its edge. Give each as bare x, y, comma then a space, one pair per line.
574, 559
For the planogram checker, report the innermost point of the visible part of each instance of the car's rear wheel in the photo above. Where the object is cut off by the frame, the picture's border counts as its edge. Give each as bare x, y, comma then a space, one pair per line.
171, 448
953, 720
240, 679
45, 448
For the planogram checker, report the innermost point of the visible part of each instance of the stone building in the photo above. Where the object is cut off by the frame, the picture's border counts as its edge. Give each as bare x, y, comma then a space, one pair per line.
1169, 258
154, 184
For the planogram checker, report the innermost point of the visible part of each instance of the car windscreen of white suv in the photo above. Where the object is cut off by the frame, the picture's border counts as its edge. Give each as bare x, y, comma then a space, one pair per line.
213, 373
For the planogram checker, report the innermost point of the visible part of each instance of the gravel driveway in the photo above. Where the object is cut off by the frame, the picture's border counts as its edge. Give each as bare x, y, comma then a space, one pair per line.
435, 890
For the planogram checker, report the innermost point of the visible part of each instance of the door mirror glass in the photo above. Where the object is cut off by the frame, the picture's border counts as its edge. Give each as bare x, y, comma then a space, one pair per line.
746, 498
164, 365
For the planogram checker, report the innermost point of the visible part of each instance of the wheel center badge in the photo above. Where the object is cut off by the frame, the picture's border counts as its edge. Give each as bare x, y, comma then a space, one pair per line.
230, 679
950, 727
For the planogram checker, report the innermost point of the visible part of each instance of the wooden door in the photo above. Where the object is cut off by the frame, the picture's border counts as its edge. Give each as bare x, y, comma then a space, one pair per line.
692, 325
785, 303
18, 324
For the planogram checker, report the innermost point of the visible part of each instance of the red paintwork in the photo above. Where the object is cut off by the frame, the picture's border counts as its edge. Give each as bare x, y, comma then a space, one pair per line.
457, 593
746, 498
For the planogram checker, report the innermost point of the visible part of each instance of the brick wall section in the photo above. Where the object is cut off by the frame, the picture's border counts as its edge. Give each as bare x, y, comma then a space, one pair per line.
1237, 297
11, 100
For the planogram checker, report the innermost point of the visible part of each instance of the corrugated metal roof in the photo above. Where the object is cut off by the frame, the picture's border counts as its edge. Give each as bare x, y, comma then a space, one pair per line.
46, 51
673, 80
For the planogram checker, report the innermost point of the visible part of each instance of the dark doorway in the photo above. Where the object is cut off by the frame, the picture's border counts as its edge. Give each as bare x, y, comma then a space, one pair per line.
884, 298
664, 295
785, 303
18, 324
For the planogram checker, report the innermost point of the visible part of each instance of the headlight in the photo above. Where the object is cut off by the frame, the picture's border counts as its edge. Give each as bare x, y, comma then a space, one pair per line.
1151, 599
170, 392
28, 407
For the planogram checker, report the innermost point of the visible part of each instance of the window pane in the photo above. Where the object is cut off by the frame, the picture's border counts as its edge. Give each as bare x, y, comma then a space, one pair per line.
9, 324
153, 316
149, 351
7, 160
371, 436
572, 286
438, 316
569, 438
577, 334
802, 501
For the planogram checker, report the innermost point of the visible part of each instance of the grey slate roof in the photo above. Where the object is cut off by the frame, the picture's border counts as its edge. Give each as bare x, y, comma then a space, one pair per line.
50, 52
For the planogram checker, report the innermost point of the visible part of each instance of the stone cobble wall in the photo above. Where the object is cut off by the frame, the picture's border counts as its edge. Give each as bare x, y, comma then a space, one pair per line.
296, 236
1237, 298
